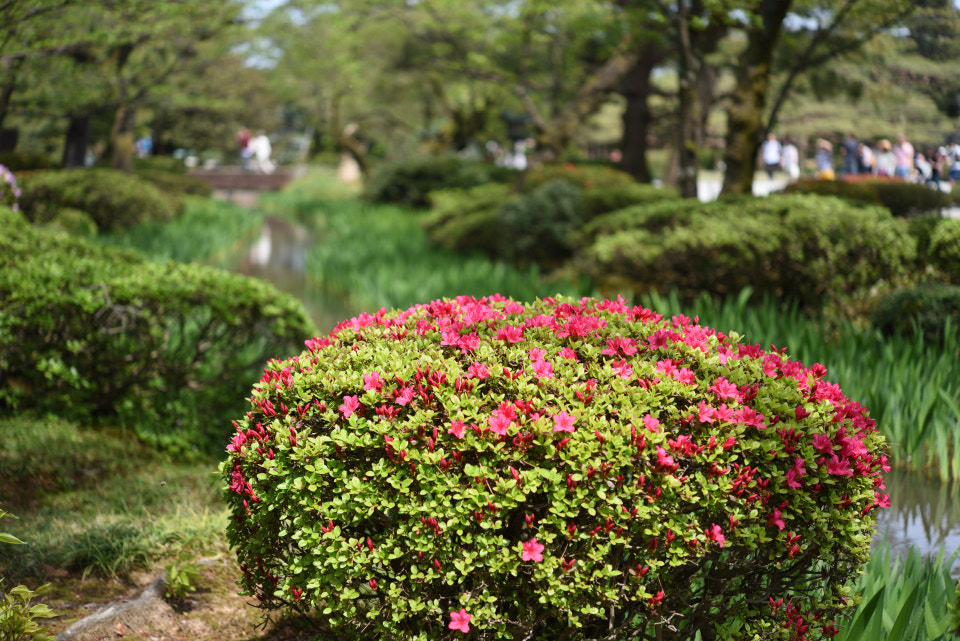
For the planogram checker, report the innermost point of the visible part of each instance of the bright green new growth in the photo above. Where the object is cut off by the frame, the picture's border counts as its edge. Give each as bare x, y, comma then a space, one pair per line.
558, 470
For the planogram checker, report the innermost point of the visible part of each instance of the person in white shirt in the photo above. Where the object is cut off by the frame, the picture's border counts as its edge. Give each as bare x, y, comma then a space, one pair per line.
790, 159
771, 154
260, 149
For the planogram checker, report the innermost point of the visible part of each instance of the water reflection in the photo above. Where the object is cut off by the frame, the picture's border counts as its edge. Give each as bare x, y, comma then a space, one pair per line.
279, 256
924, 513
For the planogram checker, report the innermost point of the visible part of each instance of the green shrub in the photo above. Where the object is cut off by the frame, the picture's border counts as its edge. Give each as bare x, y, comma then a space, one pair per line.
552, 470
944, 252
909, 199
72, 221
538, 227
175, 182
903, 199
925, 308
596, 202
100, 332
465, 220
25, 160
803, 248
858, 192
583, 176
113, 199
921, 228
409, 182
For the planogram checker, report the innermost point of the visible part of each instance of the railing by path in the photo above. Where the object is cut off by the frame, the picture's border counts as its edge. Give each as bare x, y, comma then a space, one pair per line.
242, 186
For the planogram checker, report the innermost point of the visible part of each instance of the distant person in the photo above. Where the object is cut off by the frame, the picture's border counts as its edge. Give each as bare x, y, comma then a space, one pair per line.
260, 153
144, 146
849, 149
866, 159
903, 156
770, 151
953, 158
886, 163
925, 172
824, 160
243, 144
790, 159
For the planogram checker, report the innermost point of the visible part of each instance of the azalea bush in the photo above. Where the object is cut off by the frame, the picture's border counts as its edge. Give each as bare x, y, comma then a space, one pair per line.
486, 469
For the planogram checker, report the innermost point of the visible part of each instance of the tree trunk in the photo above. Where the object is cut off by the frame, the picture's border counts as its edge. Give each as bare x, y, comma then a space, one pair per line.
77, 140
121, 138
689, 108
637, 117
745, 117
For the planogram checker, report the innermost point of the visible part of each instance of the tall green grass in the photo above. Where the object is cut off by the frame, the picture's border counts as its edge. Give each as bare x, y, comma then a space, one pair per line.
208, 231
911, 386
904, 599
379, 256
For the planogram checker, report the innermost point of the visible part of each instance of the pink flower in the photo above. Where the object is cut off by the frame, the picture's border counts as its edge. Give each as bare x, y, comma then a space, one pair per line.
510, 334
372, 382
775, 519
839, 467
715, 533
724, 389
705, 413
404, 396
568, 354
532, 551
543, 369
665, 461
456, 428
460, 620
823, 443
652, 424
499, 424
563, 422
686, 375
350, 405
623, 369
478, 370
749, 416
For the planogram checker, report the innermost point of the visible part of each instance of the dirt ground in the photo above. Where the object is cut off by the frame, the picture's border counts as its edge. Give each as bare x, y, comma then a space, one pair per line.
214, 612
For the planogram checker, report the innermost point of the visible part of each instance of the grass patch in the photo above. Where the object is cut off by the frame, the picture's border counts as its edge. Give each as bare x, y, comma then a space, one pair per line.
208, 231
103, 504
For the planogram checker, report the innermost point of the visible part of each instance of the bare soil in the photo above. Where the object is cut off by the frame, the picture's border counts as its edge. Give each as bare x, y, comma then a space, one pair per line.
214, 612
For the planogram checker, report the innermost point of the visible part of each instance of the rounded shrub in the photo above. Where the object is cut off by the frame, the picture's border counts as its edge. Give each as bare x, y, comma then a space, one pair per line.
485, 469
804, 248
926, 308
539, 226
409, 182
25, 160
175, 182
582, 176
465, 220
113, 199
102, 333
944, 250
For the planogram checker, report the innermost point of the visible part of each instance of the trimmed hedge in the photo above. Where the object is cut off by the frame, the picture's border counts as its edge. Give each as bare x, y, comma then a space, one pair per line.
113, 199
25, 160
903, 199
803, 248
538, 226
409, 182
582, 176
561, 469
944, 250
926, 308
101, 333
